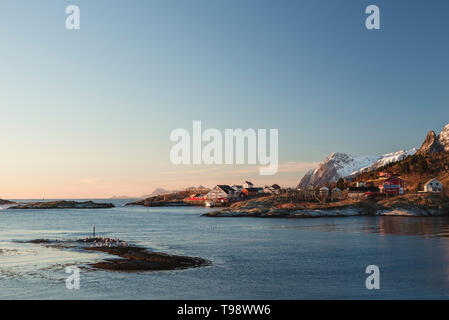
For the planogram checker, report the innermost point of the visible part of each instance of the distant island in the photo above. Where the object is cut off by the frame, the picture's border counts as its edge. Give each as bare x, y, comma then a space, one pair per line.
6, 202
62, 204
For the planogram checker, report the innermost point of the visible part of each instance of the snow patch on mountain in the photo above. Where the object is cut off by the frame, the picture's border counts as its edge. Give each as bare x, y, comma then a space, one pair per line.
443, 138
346, 164
340, 165
386, 159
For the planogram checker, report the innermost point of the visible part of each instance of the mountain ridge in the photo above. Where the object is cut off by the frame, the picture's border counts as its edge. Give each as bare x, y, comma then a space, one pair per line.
342, 165
435, 143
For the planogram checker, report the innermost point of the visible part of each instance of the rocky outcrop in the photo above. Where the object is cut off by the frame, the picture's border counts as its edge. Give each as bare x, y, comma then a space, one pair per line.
279, 207
435, 143
63, 204
130, 258
431, 144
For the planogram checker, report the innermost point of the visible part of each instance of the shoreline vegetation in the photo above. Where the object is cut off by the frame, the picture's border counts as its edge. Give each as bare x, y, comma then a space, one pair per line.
419, 205
130, 258
61, 204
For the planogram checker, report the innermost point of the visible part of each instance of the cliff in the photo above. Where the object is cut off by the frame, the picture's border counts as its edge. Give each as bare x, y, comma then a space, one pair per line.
435, 143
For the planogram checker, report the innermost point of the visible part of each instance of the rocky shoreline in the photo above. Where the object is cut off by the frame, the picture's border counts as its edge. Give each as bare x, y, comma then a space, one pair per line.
62, 204
268, 207
131, 258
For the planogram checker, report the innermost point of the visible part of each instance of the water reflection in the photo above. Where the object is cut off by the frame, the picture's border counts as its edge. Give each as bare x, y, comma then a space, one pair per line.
435, 227
427, 227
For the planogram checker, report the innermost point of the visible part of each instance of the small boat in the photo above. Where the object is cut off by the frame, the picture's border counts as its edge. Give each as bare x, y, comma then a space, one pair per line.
209, 204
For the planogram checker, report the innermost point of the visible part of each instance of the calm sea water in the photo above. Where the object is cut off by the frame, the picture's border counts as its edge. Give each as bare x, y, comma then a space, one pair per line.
251, 258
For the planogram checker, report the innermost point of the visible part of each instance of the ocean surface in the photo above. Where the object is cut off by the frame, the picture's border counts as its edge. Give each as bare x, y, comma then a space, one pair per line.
252, 258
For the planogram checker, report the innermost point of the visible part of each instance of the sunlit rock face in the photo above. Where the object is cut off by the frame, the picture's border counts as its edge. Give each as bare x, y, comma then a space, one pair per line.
436, 143
443, 138
431, 144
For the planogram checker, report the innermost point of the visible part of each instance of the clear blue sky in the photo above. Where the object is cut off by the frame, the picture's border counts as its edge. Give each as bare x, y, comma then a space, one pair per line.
89, 112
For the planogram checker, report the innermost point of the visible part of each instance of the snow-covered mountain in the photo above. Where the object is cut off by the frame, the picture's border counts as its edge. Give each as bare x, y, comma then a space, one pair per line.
340, 165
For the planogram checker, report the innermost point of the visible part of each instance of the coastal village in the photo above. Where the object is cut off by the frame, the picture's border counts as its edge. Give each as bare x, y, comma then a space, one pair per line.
414, 183
419, 179
386, 184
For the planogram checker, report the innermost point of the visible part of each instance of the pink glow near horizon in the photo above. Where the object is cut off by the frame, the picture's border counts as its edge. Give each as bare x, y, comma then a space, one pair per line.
62, 187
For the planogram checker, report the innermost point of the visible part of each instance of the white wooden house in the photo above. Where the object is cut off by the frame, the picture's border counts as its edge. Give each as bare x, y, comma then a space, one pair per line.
223, 193
433, 185
273, 189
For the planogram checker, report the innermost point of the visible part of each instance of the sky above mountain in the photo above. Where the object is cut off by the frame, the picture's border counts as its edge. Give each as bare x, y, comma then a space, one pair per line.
88, 113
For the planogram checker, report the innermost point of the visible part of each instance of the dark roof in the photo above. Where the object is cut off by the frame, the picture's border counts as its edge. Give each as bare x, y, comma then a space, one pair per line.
275, 186
253, 189
363, 189
248, 182
226, 188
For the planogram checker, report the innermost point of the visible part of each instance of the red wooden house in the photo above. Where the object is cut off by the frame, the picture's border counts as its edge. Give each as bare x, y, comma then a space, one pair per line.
392, 186
197, 197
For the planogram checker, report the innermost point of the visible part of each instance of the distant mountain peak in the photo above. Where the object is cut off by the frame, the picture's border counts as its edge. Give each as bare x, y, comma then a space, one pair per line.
157, 192
435, 143
430, 144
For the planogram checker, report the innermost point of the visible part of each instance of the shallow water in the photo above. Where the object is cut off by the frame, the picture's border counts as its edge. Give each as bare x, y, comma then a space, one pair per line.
252, 258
